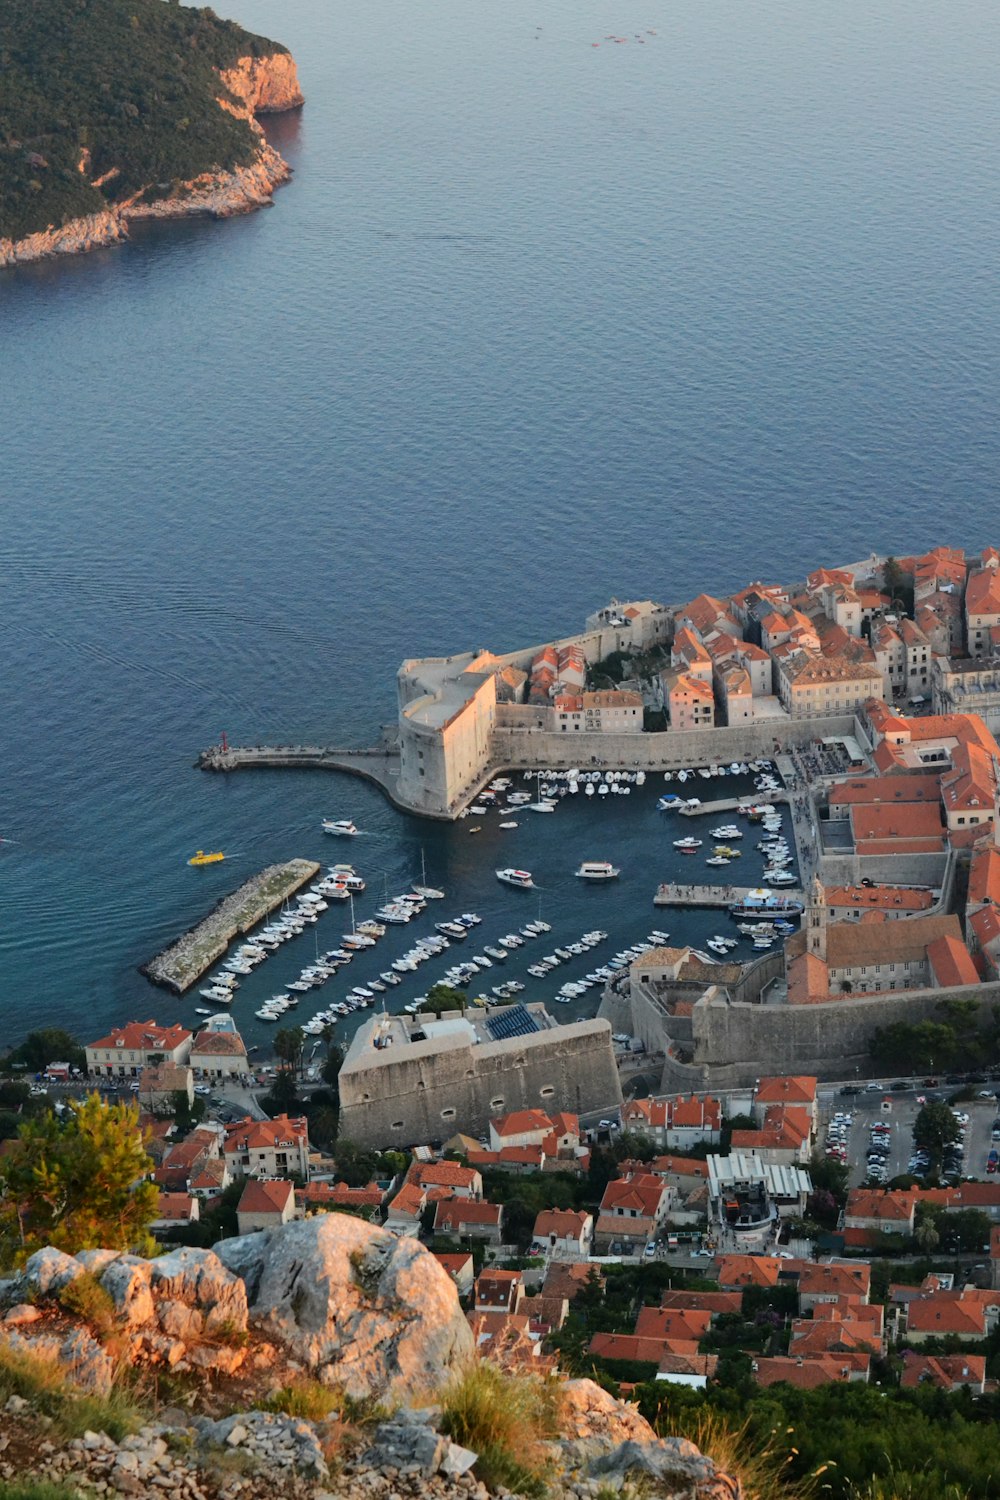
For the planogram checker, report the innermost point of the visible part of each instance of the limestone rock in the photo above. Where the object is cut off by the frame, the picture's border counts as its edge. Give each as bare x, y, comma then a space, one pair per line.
179, 1321
198, 1279
22, 1312
375, 1314
126, 1278
587, 1413
87, 1363
669, 1461
49, 1270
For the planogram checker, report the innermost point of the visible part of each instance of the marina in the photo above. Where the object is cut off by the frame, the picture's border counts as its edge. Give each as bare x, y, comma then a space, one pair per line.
423, 904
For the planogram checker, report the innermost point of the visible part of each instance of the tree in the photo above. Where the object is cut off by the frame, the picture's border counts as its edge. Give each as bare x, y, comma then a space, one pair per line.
289, 1046
934, 1128
926, 1235
441, 997
40, 1048
282, 1095
330, 1071
79, 1183
355, 1164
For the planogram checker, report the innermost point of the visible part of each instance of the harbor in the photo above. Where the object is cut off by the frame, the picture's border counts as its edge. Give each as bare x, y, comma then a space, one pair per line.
184, 962
491, 903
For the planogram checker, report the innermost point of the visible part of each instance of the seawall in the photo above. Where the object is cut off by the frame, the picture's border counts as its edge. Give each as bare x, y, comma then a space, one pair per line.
183, 963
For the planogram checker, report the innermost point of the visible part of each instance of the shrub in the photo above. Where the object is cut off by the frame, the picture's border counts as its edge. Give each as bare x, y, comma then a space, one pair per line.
761, 1471
36, 1489
87, 1299
304, 1398
43, 1383
505, 1419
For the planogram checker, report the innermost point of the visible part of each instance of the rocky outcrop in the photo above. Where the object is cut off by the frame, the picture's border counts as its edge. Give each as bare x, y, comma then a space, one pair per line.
365, 1310
267, 85
262, 85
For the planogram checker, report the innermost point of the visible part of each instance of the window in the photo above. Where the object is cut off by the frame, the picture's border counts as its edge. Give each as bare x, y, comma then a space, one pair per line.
447, 1114
496, 1103
397, 1125
547, 1091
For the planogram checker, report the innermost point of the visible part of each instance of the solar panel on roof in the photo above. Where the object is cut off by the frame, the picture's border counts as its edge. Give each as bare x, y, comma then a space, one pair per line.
515, 1022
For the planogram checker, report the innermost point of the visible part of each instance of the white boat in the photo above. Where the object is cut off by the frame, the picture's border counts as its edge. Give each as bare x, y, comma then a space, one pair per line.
520, 878
603, 789
597, 869
509, 825
687, 843
341, 826
718, 859
542, 807
589, 789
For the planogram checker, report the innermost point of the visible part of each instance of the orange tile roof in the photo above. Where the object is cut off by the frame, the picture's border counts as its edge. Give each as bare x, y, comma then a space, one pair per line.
673, 1323
175, 1206
443, 1174
410, 1200
711, 1302
266, 1195
984, 875
643, 1193
982, 592
808, 1373
248, 1134
899, 823
938, 1316
143, 1036
846, 1280
868, 790
786, 1090
562, 1222
891, 1207
948, 1372
218, 1044
521, 1122
679, 1166
879, 897
452, 1213
951, 963
749, 1270
628, 1346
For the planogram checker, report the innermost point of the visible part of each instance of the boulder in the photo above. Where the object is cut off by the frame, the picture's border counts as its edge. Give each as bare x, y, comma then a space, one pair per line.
590, 1414
49, 1270
672, 1462
198, 1279
22, 1312
367, 1311
126, 1279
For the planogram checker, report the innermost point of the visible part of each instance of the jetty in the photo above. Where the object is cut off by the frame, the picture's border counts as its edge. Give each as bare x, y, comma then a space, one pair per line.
732, 804
377, 763
672, 894
181, 965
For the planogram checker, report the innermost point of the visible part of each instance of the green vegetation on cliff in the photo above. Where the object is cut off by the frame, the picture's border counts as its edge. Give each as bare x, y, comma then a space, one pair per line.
131, 82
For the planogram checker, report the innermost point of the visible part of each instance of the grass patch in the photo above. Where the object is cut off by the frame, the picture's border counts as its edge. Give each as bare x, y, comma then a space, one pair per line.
86, 1298
926, 1484
36, 1489
762, 1471
306, 1399
43, 1383
505, 1419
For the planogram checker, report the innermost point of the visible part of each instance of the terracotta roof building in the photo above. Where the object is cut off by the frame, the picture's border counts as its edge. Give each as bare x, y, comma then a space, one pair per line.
264, 1204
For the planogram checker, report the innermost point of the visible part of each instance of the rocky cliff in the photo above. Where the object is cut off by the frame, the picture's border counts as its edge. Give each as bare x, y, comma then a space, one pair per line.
174, 134
231, 1344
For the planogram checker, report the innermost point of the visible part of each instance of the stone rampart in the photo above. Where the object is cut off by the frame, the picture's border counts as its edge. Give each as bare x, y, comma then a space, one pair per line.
424, 1092
736, 1043
670, 750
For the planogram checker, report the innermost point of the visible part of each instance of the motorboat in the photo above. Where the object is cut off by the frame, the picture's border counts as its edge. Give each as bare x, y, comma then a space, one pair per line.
727, 831
669, 802
519, 878
201, 858
717, 859
544, 806
509, 825
342, 827
597, 869
498, 955
688, 843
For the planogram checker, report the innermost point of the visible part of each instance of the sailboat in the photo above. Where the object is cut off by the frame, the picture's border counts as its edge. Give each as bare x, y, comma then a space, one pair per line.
429, 892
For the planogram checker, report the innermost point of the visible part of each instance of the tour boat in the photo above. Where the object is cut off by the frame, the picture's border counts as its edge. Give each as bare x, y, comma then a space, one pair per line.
520, 878
687, 843
597, 869
201, 858
341, 826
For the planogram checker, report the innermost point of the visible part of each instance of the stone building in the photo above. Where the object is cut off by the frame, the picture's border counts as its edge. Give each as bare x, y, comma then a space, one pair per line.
126, 1050
219, 1054
407, 1081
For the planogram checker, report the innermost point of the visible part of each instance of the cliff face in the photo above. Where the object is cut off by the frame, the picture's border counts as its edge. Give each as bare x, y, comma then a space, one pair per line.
265, 85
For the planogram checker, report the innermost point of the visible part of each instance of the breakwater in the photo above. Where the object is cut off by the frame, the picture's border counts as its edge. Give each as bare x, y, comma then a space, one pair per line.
672, 894
181, 965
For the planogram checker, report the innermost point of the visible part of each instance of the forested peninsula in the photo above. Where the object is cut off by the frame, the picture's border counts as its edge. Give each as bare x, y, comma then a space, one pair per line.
117, 110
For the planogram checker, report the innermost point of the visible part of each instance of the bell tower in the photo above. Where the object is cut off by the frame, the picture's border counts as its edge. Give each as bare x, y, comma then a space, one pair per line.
816, 919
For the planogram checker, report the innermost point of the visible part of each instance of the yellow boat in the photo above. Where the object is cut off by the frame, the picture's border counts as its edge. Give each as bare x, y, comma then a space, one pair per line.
206, 859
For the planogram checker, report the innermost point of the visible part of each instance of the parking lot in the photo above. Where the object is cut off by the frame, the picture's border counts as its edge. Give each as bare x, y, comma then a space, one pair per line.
880, 1121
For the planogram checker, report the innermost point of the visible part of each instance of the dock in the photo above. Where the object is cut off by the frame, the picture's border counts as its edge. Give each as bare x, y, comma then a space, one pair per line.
731, 804
181, 965
671, 894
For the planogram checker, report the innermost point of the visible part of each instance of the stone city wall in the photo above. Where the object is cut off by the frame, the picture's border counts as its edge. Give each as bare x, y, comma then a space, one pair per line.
422, 1094
928, 870
734, 1044
670, 750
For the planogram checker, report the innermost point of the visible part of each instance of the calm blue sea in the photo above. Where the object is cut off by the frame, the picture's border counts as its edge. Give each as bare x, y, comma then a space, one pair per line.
536, 322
